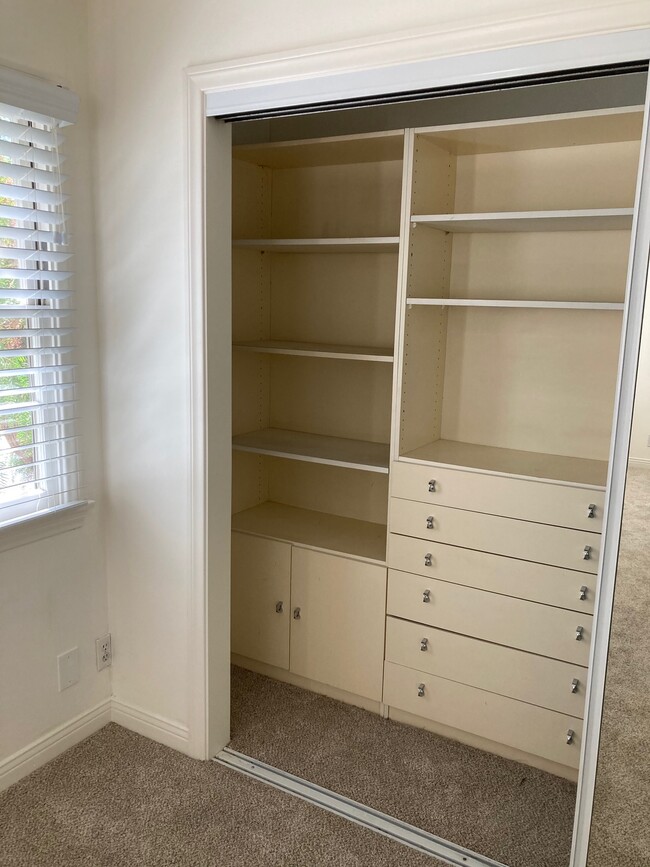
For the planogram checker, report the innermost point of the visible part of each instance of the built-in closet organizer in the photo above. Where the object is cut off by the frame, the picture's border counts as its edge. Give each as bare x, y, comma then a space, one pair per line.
503, 247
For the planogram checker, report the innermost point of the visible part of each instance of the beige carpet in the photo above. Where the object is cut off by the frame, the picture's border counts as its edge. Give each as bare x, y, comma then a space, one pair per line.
620, 835
508, 811
119, 800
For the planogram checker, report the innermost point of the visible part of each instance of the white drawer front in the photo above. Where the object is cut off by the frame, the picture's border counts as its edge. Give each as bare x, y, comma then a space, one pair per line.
511, 622
564, 588
539, 543
535, 679
525, 727
562, 505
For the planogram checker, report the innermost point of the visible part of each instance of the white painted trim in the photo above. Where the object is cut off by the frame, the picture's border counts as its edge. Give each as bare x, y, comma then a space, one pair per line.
38, 95
151, 725
639, 463
32, 528
52, 744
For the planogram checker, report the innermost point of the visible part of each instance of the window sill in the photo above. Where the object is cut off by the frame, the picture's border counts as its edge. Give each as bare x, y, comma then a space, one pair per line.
24, 531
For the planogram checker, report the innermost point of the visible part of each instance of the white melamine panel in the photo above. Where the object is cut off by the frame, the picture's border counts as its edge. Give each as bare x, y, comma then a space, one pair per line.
251, 277
251, 394
564, 588
250, 482
261, 599
503, 620
337, 626
603, 220
524, 540
561, 505
535, 679
316, 350
251, 201
330, 244
312, 529
504, 720
338, 150
297, 446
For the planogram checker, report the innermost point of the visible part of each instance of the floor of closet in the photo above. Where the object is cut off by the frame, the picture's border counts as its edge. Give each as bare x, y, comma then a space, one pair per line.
500, 808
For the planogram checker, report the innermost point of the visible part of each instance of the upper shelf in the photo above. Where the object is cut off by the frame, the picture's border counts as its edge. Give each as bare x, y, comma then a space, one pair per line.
338, 150
591, 220
316, 350
321, 245
315, 448
501, 302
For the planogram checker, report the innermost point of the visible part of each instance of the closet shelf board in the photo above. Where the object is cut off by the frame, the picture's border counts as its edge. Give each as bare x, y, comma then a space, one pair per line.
388, 244
315, 448
500, 302
316, 350
592, 220
338, 150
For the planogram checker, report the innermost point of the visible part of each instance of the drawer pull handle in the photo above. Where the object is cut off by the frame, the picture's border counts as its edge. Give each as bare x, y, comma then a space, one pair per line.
279, 607
591, 510
296, 613
579, 632
583, 592
428, 559
570, 736
420, 689
432, 486
586, 552
575, 683
430, 522
424, 644
426, 596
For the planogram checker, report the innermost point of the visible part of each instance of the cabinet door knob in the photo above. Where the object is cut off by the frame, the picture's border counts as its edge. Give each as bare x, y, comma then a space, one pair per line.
296, 613
569, 736
424, 644
591, 510
420, 689
586, 552
579, 632
279, 607
428, 559
575, 683
426, 596
583, 592
432, 486
430, 522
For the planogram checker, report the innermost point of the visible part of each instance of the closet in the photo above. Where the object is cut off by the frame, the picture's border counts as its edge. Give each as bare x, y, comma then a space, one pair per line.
426, 333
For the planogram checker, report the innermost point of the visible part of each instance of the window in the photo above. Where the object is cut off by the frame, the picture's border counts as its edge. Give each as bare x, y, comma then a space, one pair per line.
39, 461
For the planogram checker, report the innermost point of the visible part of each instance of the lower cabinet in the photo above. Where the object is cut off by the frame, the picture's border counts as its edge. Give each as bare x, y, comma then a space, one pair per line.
319, 616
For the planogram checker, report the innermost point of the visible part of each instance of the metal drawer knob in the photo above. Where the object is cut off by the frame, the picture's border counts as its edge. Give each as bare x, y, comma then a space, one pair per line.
583, 592
432, 486
296, 613
430, 522
426, 596
591, 510
424, 644
279, 607
579, 632
420, 689
428, 559
586, 552
575, 683
570, 736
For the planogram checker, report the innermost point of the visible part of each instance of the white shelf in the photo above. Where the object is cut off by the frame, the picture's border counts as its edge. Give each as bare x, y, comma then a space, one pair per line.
499, 302
338, 150
593, 220
321, 245
316, 350
314, 448
561, 468
318, 530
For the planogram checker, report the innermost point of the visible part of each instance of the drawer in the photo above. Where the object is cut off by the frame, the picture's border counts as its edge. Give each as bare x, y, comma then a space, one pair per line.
501, 619
530, 500
564, 588
535, 679
538, 543
525, 727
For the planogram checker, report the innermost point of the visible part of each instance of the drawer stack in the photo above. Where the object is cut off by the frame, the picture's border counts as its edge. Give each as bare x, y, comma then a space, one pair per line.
490, 600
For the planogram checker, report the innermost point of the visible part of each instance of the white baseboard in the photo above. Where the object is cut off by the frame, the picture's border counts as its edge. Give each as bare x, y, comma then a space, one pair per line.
157, 728
639, 463
51, 745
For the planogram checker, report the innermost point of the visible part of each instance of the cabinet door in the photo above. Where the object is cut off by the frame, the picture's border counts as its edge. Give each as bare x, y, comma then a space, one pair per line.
338, 620
261, 582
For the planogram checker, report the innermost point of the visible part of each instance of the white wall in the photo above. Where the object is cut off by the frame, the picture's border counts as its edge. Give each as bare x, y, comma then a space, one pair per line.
53, 593
139, 50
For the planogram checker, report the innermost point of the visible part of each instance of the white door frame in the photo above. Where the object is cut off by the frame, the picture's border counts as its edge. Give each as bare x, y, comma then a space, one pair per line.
322, 74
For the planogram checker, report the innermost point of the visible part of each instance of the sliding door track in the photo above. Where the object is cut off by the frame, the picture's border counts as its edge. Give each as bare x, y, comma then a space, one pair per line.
353, 811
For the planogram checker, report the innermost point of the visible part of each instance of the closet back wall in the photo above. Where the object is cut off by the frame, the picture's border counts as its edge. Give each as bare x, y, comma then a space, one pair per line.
139, 50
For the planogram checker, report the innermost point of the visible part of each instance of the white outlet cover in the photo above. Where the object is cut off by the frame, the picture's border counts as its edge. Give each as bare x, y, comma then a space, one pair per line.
68, 668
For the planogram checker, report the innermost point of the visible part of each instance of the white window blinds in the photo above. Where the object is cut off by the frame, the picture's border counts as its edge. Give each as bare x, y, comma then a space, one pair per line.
39, 463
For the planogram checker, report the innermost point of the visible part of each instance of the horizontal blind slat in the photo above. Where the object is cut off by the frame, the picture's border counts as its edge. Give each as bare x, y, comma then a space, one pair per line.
27, 174
17, 153
20, 193
33, 406
23, 132
34, 274
28, 254
32, 215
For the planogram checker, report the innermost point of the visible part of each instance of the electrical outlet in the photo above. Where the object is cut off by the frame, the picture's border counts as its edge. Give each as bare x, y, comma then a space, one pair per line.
68, 667
104, 650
